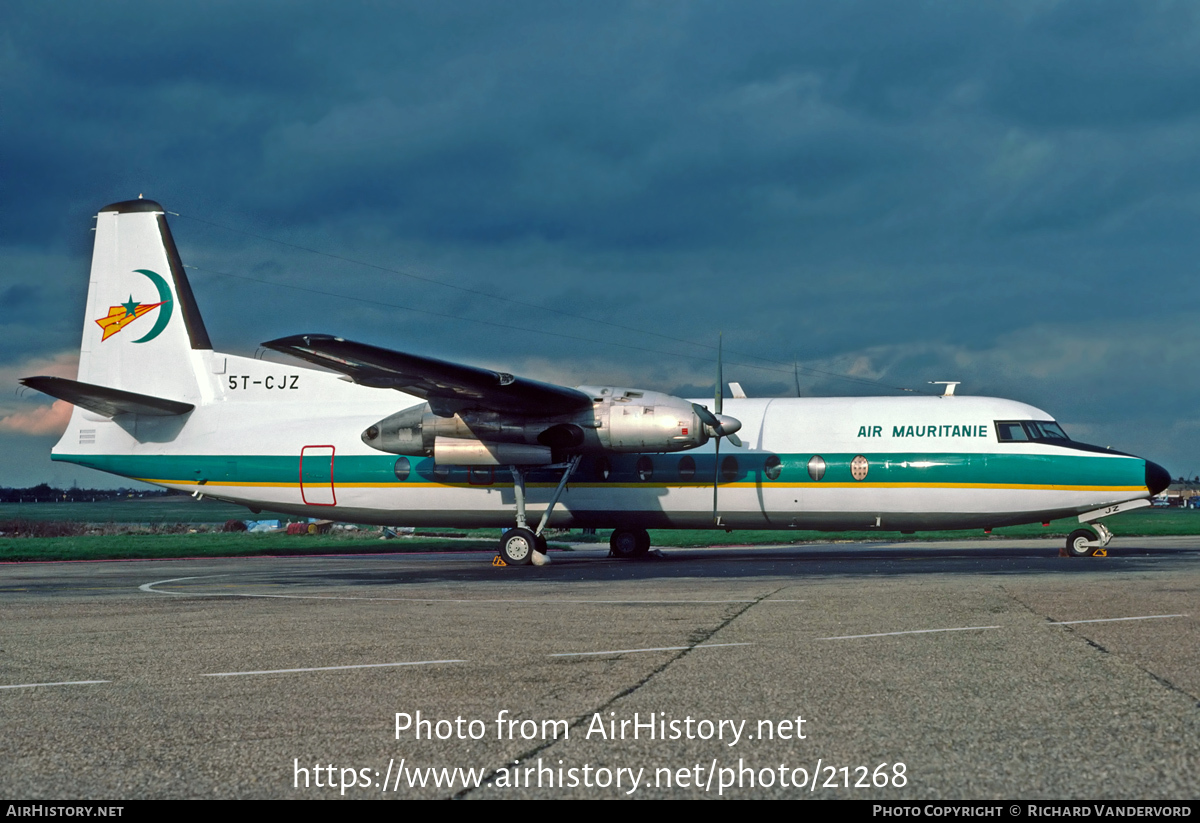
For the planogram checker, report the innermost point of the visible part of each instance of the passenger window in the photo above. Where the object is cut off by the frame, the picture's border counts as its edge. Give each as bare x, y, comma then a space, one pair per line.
773, 467
644, 468
729, 469
402, 468
687, 468
441, 472
603, 468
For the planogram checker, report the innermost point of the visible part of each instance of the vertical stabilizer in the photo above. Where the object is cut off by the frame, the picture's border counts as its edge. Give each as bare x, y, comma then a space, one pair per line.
142, 331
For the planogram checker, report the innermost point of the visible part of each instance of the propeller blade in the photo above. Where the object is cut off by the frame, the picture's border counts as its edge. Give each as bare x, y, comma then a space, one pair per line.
717, 397
735, 440
716, 477
706, 417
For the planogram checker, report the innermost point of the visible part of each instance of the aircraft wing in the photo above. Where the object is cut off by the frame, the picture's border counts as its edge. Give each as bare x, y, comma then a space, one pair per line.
448, 387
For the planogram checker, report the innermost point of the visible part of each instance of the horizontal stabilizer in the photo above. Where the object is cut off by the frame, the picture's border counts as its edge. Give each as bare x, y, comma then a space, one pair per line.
106, 401
447, 386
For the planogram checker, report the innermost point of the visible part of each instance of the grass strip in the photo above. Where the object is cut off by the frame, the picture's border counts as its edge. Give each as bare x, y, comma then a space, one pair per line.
162, 545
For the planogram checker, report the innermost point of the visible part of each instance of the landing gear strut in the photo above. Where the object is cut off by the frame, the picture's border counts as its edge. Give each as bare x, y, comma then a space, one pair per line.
522, 545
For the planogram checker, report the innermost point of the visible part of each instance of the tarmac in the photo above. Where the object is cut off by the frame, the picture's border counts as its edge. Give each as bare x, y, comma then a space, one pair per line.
915, 671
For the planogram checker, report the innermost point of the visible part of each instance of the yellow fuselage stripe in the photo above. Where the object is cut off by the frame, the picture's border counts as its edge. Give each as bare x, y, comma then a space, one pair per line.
768, 485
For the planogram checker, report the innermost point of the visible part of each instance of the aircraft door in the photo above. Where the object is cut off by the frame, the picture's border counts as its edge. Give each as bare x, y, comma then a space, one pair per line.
778, 499
316, 476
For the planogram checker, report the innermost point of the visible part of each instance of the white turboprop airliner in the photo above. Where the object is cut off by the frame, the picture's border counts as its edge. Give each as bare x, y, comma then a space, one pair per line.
397, 439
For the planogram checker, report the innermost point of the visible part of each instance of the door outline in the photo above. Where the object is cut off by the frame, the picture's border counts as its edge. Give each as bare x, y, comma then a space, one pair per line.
316, 486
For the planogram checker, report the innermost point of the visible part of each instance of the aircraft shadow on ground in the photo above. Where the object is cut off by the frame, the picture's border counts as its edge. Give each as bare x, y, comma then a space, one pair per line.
725, 564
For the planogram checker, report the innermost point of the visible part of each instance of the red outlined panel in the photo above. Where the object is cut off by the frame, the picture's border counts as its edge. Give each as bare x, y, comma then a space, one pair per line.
316, 476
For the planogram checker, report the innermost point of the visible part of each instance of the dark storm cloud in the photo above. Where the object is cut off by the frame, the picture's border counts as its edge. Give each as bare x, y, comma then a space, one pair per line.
904, 191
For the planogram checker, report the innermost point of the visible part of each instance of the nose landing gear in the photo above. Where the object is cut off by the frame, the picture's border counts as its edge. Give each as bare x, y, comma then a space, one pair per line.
1086, 543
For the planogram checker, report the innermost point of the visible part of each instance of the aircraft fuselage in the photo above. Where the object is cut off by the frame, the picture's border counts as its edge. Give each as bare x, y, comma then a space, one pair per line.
287, 439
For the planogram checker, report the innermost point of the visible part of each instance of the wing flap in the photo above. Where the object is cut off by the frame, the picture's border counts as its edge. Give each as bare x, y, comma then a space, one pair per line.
449, 387
104, 400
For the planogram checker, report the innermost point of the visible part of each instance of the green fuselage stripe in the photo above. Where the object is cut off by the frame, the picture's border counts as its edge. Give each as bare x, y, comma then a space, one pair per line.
1069, 469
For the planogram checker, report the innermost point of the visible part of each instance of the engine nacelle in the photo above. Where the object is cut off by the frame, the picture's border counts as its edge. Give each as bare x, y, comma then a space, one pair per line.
645, 421
620, 420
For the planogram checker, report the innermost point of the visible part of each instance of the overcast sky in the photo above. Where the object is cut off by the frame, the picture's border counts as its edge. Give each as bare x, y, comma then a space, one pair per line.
1004, 194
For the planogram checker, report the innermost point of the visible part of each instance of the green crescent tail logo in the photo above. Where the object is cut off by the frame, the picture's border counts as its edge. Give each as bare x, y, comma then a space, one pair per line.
122, 315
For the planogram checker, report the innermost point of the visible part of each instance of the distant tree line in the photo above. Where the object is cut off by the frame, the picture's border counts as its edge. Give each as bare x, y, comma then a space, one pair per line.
45, 493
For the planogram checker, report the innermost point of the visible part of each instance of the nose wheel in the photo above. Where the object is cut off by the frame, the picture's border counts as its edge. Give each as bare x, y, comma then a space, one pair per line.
1086, 543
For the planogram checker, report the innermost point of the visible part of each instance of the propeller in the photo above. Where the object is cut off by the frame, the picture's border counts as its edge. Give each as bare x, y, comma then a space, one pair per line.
718, 425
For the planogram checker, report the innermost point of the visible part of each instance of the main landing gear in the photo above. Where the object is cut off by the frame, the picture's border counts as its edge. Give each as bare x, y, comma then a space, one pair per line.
626, 543
1086, 543
522, 545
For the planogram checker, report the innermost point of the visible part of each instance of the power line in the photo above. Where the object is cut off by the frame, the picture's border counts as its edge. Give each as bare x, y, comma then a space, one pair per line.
490, 296
508, 325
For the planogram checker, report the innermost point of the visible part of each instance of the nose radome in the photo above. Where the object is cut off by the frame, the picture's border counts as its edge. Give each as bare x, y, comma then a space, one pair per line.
1157, 478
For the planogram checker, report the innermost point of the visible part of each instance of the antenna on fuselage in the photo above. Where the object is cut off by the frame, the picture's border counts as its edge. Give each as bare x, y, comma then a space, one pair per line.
949, 384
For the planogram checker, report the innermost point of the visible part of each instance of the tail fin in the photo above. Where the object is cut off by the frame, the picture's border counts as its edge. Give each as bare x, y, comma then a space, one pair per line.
142, 331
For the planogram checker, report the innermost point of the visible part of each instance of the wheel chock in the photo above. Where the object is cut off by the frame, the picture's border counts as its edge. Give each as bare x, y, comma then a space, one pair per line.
498, 561
1100, 553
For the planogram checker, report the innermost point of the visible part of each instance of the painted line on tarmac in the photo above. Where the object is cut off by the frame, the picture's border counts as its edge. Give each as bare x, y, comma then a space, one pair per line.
333, 668
1115, 619
914, 631
657, 649
149, 588
62, 683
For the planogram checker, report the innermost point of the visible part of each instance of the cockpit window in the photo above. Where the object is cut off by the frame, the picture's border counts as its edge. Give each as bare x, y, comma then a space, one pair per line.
1010, 431
1046, 430
1025, 430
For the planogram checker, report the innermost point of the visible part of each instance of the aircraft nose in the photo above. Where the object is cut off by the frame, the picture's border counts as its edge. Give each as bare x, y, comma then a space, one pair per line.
1157, 478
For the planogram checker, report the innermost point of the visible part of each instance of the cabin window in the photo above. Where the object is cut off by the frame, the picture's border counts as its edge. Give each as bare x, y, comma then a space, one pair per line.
480, 475
441, 472
729, 469
773, 467
816, 467
687, 468
644, 468
402, 468
603, 468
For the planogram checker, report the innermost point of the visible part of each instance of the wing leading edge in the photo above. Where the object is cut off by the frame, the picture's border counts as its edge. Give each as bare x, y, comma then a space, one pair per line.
448, 387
